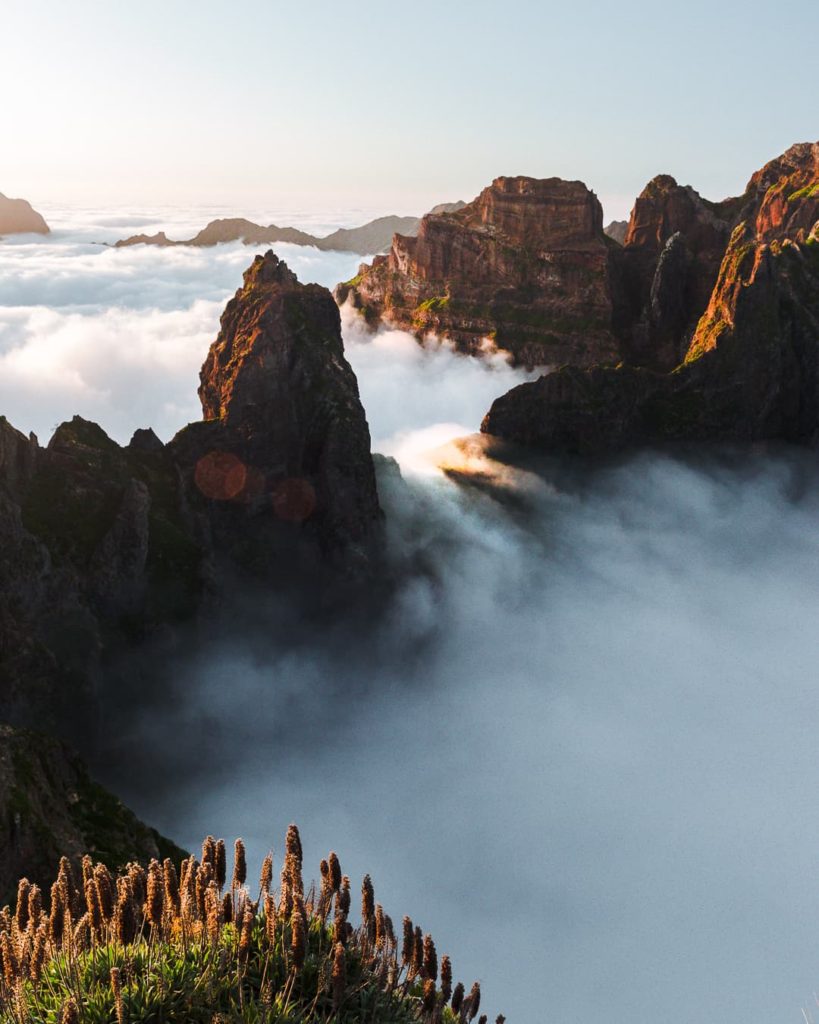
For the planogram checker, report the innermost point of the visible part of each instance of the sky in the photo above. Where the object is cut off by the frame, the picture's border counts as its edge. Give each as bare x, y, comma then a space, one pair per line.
395, 106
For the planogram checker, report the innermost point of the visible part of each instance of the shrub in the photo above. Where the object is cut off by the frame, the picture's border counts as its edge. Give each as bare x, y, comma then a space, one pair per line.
198, 947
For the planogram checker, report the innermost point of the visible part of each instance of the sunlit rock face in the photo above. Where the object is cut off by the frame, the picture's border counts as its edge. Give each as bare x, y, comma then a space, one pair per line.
284, 435
671, 255
105, 546
751, 368
782, 199
526, 265
18, 218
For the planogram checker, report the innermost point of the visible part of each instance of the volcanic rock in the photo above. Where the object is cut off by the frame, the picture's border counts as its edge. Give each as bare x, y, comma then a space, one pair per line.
279, 398
526, 265
751, 371
103, 547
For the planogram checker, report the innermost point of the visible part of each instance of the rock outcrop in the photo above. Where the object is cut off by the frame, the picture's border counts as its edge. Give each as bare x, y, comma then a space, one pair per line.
526, 265
285, 440
617, 229
50, 807
18, 218
373, 237
103, 546
670, 259
751, 369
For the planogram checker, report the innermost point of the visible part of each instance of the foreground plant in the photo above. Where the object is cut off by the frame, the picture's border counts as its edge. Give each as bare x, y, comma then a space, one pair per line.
156, 946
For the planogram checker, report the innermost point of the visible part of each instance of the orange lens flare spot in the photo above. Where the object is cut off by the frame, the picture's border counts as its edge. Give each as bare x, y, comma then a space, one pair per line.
294, 500
220, 476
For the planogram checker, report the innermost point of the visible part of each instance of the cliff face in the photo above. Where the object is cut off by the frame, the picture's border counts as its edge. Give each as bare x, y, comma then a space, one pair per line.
782, 199
670, 259
17, 218
50, 807
281, 405
751, 370
527, 265
103, 545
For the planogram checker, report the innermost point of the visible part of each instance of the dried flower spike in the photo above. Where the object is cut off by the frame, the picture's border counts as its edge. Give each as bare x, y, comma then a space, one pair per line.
239, 864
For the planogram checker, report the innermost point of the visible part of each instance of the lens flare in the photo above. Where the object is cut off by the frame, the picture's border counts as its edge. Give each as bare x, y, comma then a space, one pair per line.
294, 499
220, 476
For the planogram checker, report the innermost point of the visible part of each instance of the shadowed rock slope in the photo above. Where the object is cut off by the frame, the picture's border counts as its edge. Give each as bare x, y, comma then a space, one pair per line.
104, 546
751, 368
50, 807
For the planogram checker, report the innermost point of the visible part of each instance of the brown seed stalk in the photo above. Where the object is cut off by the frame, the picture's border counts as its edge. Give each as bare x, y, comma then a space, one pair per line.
239, 864
298, 939
430, 958
56, 917
266, 876
339, 976
408, 947
92, 903
457, 998
246, 935
70, 1014
474, 1001
220, 866
446, 978
116, 988
155, 896
428, 999
21, 916
335, 871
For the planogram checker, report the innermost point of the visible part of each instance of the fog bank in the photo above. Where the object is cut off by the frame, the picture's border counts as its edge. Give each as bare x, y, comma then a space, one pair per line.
578, 745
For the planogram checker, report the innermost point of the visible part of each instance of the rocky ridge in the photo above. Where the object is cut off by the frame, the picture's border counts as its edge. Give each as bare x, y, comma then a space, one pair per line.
750, 369
104, 546
374, 236
529, 266
526, 265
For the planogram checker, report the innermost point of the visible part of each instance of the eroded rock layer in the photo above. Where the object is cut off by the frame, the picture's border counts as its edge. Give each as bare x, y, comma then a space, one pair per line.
527, 266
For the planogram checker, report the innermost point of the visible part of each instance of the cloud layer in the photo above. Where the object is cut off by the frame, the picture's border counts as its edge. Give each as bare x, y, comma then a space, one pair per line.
118, 336
578, 744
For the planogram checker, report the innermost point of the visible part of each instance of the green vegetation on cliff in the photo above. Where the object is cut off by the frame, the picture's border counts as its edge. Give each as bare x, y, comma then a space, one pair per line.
50, 806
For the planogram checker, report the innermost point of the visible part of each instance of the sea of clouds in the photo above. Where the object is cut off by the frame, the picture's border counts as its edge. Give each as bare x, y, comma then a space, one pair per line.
579, 745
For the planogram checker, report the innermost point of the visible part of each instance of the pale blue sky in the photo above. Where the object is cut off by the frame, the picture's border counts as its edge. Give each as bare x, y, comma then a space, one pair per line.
395, 105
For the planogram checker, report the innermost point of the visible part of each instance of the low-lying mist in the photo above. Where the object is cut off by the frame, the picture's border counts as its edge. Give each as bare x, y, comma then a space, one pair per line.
578, 744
